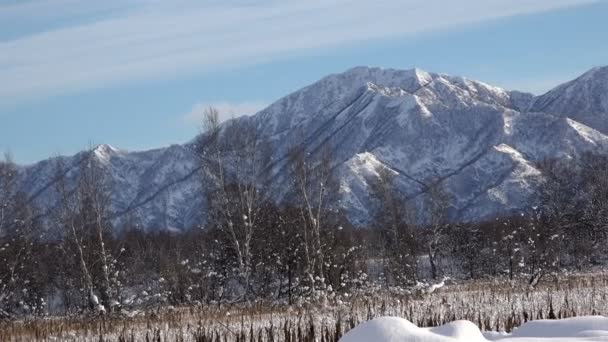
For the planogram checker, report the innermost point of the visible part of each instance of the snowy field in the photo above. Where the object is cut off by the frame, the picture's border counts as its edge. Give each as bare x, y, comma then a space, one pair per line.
395, 329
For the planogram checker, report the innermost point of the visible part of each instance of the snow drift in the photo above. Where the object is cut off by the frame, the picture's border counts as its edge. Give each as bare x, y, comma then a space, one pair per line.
394, 329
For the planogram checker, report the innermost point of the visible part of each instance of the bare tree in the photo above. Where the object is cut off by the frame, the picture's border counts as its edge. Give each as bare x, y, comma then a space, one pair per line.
437, 205
82, 213
594, 218
555, 218
94, 195
234, 156
392, 220
17, 233
8, 177
67, 220
314, 183
22, 282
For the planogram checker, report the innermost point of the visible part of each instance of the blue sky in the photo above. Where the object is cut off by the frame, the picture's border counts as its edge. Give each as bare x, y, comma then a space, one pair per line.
135, 73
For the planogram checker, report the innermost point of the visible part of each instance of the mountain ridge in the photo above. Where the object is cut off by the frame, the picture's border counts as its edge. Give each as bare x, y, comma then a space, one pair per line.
481, 142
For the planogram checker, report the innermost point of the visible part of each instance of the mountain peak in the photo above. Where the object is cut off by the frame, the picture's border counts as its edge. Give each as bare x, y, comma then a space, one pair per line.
480, 140
596, 75
409, 80
105, 148
371, 70
422, 75
584, 99
104, 152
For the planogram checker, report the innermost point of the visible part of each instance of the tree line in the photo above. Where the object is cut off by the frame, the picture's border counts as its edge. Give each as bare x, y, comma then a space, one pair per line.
70, 258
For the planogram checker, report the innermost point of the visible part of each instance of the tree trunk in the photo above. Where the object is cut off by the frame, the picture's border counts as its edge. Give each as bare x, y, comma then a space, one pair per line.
432, 262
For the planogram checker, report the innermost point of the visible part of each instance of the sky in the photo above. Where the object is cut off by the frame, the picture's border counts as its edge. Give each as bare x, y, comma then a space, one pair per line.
136, 74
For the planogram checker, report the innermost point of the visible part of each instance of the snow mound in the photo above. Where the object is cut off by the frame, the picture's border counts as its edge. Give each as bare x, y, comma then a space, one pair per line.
572, 327
394, 329
386, 329
460, 330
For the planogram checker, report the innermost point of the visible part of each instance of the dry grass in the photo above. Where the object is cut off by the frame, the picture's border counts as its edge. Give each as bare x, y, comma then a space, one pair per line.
492, 305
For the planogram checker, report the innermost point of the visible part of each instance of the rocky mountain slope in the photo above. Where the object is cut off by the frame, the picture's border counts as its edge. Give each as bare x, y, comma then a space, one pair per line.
480, 142
584, 99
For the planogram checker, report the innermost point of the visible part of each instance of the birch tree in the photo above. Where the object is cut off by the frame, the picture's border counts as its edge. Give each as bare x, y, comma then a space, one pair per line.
8, 177
94, 197
82, 216
314, 185
392, 221
437, 204
234, 159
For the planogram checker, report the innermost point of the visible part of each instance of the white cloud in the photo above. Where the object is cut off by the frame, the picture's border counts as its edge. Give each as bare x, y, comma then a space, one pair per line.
226, 110
156, 39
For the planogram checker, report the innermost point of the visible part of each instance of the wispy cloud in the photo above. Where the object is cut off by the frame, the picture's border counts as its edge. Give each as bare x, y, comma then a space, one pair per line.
226, 110
134, 40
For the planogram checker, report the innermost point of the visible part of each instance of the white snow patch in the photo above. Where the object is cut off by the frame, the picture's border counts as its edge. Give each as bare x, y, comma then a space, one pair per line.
509, 119
423, 76
426, 113
524, 169
365, 165
394, 329
588, 134
105, 152
386, 91
579, 327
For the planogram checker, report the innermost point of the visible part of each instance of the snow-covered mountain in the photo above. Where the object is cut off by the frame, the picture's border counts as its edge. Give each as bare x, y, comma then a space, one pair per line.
481, 142
584, 99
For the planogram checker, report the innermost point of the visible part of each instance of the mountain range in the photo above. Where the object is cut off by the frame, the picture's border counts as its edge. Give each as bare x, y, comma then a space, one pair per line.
480, 142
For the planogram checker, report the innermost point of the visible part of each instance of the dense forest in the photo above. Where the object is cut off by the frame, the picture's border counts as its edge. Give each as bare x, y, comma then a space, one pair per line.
71, 257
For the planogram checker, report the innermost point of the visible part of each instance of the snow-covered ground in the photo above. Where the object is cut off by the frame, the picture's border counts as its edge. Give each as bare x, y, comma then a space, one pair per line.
395, 329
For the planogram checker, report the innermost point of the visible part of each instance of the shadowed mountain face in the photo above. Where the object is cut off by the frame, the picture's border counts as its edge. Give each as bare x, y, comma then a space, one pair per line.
480, 142
584, 99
